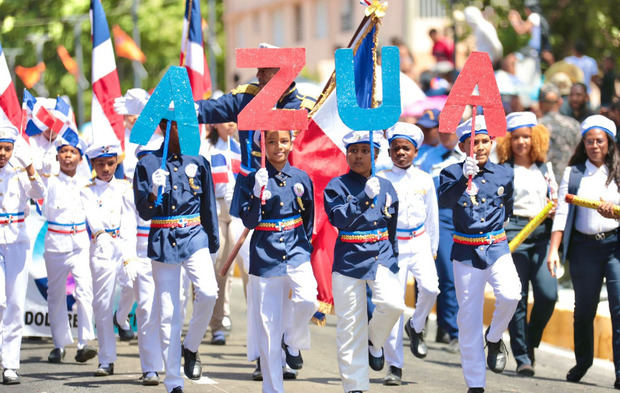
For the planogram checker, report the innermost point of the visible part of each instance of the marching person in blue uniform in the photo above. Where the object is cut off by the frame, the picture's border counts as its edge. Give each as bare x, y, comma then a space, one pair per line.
364, 208
480, 252
184, 233
110, 216
280, 258
67, 250
524, 150
417, 233
590, 237
18, 183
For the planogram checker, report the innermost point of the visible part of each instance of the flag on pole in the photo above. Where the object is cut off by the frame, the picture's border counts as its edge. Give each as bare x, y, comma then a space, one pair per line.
219, 168
106, 86
235, 156
125, 46
320, 152
38, 114
9, 104
64, 117
193, 53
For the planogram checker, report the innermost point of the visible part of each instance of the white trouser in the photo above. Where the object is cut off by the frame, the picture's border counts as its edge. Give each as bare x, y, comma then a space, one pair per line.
470, 283
104, 272
127, 299
59, 265
13, 283
415, 256
269, 311
353, 330
199, 269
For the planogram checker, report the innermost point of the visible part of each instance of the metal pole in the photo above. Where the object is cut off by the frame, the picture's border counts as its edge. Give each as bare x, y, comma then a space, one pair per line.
11, 54
137, 76
79, 59
212, 43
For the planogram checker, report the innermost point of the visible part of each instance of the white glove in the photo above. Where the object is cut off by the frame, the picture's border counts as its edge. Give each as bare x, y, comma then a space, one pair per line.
159, 179
260, 181
104, 246
372, 187
132, 103
47, 165
22, 153
130, 267
470, 166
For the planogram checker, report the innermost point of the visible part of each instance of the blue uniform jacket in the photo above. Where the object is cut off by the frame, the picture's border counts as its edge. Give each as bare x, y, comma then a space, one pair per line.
350, 210
188, 193
479, 215
273, 250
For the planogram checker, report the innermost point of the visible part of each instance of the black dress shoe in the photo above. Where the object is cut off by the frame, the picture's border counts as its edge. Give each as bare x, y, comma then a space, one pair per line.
85, 354
475, 390
192, 366
178, 389
10, 377
123, 334
525, 370
288, 373
257, 374
617, 383
150, 378
376, 363
294, 362
56, 355
575, 374
416, 341
497, 355
393, 377
354, 391
104, 371
442, 336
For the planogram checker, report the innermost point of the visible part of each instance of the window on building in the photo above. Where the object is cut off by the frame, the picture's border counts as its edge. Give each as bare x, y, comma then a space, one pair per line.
277, 24
299, 22
321, 21
431, 9
346, 15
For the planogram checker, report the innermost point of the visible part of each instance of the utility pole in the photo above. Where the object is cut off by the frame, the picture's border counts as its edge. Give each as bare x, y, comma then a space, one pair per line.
39, 40
212, 45
82, 83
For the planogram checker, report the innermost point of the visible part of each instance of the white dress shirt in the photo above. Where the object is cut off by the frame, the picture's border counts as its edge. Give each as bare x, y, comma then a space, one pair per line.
15, 191
592, 186
63, 210
417, 201
530, 191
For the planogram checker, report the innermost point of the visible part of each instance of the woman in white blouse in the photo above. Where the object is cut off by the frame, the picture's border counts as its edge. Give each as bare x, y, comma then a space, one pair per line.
591, 237
524, 149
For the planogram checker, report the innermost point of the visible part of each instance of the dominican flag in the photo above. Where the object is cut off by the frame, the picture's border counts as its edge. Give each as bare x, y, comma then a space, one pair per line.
235, 156
64, 117
219, 168
193, 53
9, 104
106, 86
38, 118
320, 152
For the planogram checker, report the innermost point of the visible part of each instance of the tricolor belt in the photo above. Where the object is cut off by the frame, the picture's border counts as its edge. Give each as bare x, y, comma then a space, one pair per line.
280, 224
11, 218
364, 236
190, 220
479, 240
66, 229
143, 231
408, 234
114, 232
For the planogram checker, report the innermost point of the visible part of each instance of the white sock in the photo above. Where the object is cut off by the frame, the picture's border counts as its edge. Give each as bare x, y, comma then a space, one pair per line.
374, 351
80, 346
293, 351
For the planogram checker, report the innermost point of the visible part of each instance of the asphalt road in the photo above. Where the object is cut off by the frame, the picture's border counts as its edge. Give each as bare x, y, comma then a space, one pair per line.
225, 368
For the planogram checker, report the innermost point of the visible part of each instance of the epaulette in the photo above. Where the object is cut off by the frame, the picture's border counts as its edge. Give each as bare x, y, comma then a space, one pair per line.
19, 169
306, 102
249, 88
91, 184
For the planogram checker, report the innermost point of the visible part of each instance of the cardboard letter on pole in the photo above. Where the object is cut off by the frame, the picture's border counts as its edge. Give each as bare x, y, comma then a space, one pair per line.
173, 87
259, 113
478, 71
351, 114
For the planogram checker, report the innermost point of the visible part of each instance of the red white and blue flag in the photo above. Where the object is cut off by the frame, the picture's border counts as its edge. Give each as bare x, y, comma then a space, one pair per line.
9, 104
319, 151
106, 86
38, 118
235, 156
193, 53
65, 121
219, 168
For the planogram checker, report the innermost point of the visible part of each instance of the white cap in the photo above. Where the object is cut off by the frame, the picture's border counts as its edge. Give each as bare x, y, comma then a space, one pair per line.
356, 137
407, 131
463, 131
137, 95
153, 145
103, 150
263, 45
601, 122
8, 132
520, 119
71, 138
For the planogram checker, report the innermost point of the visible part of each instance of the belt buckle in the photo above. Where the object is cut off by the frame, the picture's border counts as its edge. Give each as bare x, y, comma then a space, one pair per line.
10, 219
279, 226
73, 229
600, 236
181, 223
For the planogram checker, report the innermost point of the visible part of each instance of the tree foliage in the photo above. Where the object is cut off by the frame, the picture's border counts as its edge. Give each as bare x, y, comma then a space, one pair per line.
160, 23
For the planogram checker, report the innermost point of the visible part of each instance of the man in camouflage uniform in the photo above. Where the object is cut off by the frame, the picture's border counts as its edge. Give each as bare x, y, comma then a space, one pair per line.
564, 131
